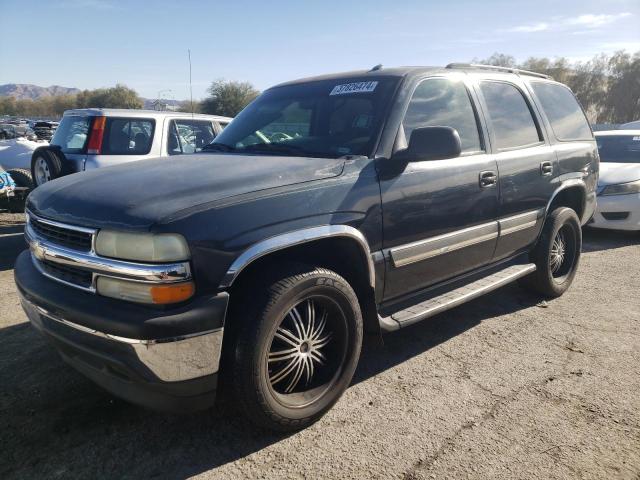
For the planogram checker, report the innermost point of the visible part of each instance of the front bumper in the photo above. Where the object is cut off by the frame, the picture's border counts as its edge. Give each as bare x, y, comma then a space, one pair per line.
613, 206
164, 359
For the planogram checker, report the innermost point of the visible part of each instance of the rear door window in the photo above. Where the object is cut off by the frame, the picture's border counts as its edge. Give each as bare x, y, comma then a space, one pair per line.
128, 136
563, 111
510, 114
71, 135
189, 136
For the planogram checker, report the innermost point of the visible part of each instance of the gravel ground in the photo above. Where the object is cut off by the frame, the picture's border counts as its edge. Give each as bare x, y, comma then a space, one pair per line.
507, 386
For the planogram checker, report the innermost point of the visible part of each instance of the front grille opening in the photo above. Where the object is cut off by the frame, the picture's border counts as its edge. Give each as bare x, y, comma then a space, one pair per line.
71, 275
615, 215
62, 236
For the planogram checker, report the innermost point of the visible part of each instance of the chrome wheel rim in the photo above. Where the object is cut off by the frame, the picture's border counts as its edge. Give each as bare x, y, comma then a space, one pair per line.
557, 255
43, 174
563, 253
307, 351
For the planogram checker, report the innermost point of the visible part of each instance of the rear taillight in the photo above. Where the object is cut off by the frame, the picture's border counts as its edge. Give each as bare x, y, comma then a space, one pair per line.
94, 146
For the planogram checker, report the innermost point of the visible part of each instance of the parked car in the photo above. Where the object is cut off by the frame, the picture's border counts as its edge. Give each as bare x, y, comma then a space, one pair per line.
45, 130
95, 137
10, 131
619, 183
330, 207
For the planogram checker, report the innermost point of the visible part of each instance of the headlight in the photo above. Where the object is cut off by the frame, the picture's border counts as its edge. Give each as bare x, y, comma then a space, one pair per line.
142, 247
158, 294
622, 188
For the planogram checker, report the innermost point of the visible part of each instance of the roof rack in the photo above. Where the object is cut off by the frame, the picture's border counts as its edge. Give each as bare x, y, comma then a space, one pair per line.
498, 69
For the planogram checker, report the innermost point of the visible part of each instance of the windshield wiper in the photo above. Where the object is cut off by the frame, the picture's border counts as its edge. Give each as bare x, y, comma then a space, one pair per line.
282, 149
218, 147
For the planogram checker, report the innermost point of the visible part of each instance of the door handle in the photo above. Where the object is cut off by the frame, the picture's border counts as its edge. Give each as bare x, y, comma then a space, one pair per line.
546, 168
488, 178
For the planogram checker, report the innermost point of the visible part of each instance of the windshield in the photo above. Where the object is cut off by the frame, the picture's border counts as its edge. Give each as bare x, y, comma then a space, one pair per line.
619, 148
71, 134
317, 119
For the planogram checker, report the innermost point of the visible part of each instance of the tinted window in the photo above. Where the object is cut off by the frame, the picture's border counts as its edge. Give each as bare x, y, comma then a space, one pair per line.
189, 136
619, 148
71, 134
328, 118
127, 136
563, 111
445, 103
511, 118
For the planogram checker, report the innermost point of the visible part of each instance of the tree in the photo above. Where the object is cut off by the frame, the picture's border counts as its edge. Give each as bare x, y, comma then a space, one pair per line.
228, 98
498, 60
119, 96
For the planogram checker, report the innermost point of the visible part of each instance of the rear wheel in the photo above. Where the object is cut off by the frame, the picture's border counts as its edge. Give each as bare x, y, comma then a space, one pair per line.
298, 348
46, 165
557, 253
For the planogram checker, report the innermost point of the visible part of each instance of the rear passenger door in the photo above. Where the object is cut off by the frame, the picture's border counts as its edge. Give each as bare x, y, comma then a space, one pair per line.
526, 162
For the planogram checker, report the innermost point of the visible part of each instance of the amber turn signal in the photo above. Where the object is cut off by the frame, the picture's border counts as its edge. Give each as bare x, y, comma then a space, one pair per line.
172, 293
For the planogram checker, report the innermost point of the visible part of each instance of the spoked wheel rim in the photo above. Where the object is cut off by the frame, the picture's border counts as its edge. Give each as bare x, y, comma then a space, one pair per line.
307, 351
43, 174
563, 253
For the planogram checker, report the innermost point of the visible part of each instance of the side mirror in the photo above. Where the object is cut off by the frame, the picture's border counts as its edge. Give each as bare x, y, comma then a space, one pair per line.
432, 143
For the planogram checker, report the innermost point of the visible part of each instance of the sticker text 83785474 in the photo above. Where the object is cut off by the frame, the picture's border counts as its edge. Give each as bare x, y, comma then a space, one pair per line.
357, 87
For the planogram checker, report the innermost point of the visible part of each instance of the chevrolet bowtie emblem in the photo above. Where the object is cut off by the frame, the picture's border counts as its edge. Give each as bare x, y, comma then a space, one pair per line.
38, 250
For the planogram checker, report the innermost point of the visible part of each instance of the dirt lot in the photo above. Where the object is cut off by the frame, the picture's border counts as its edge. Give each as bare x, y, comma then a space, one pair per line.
507, 386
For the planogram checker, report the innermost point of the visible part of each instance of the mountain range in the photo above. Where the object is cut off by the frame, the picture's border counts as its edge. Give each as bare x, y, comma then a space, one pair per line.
25, 91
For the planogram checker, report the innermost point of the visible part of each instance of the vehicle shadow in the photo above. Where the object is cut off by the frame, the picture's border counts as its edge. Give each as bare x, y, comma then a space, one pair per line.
594, 240
54, 422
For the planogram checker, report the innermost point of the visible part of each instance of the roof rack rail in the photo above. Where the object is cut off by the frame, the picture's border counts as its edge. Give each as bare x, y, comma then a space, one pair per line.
498, 69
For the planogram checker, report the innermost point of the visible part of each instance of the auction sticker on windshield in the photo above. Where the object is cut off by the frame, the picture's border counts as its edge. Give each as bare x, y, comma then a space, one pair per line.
357, 87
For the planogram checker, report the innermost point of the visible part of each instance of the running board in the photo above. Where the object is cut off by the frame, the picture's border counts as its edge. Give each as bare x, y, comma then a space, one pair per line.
455, 297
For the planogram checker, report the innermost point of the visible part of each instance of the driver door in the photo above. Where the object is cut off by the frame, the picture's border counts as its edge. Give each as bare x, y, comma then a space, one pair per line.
439, 216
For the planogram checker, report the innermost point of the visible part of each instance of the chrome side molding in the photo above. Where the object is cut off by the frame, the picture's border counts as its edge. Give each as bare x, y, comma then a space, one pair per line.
519, 222
297, 237
450, 242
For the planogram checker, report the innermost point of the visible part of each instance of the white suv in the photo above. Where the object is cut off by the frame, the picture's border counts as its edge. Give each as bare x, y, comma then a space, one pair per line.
100, 137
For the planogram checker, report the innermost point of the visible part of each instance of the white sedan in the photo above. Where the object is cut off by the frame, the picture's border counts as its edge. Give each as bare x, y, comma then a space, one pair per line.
619, 182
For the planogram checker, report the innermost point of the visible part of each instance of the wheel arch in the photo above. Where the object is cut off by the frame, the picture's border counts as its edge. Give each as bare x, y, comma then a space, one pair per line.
340, 248
573, 194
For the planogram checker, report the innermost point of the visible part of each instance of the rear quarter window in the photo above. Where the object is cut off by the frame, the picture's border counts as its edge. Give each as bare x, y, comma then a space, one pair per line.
565, 115
128, 136
71, 135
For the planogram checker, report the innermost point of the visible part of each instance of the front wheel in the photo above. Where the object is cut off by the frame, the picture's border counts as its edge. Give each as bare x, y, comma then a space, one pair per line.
557, 253
298, 348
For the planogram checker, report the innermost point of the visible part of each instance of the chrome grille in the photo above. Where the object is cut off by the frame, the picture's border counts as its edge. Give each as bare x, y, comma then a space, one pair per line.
60, 235
74, 276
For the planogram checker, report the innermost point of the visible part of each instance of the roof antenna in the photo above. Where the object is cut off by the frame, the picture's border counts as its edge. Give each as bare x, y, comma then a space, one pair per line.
376, 68
190, 86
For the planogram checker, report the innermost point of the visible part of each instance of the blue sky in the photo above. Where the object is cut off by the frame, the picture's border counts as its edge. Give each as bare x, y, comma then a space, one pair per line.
97, 43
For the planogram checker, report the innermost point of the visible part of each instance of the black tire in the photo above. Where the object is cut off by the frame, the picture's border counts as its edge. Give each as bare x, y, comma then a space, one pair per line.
22, 177
552, 278
262, 395
54, 165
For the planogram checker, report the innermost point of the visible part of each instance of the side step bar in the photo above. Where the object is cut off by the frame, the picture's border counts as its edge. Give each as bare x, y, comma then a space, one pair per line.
453, 298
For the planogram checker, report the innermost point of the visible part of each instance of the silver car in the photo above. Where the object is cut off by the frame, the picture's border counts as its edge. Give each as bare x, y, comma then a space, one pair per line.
100, 137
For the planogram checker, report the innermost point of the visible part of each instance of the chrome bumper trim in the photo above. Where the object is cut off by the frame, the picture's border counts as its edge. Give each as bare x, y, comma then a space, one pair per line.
42, 250
169, 359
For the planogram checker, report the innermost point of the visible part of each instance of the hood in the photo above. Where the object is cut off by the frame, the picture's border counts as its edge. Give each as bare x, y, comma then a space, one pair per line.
138, 194
612, 173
